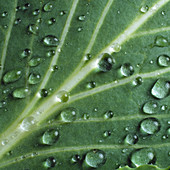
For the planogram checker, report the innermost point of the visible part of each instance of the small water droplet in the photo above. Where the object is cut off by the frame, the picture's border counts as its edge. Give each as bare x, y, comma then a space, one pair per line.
51, 21
44, 93
75, 158
20, 93
142, 157
26, 53
127, 69
87, 57
26, 6
54, 68
149, 126
50, 41
36, 12
160, 89
106, 62
144, 9
50, 137
68, 115
138, 81
62, 96
62, 13
168, 131
18, 8
2, 104
4, 14
39, 20
81, 17
50, 53
35, 62
79, 29
48, 7
27, 123
86, 116
34, 78
150, 107
49, 162
164, 107
115, 48
163, 60
32, 28
107, 134
4, 142
12, 76
95, 158
17, 21
163, 13
131, 139
161, 41
108, 115
91, 85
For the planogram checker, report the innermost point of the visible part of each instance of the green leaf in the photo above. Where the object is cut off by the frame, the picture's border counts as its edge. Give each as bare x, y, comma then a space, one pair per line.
85, 84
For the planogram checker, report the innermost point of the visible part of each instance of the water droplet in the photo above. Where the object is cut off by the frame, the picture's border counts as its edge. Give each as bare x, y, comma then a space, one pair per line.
106, 62
163, 60
161, 41
142, 157
149, 126
50, 137
86, 116
163, 13
12, 76
115, 48
4, 142
50, 41
18, 8
95, 158
138, 81
2, 104
28, 123
150, 107
160, 89
35, 62
107, 133
48, 7
164, 107
81, 17
50, 53
20, 93
39, 20
36, 12
79, 29
108, 115
62, 13
26, 53
127, 69
32, 28
131, 139
168, 131
68, 115
34, 78
44, 93
54, 68
17, 21
87, 57
91, 85
4, 14
62, 96
51, 21
26, 6
49, 162
75, 158
144, 9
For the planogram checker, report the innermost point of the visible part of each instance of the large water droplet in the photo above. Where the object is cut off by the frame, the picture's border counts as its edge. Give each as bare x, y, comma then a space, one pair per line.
51, 41
12, 76
164, 60
150, 107
144, 9
149, 126
32, 28
160, 89
28, 123
48, 7
106, 62
95, 158
127, 69
35, 61
34, 78
20, 93
68, 115
49, 162
50, 137
161, 41
142, 157
63, 96
131, 139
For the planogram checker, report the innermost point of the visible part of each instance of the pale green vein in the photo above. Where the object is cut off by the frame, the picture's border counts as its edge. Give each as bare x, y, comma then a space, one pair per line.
76, 149
149, 32
6, 42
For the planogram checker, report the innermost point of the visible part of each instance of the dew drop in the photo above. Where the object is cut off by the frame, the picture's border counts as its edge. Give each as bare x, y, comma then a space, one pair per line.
62, 96
44, 93
48, 7
106, 62
115, 48
50, 137
164, 107
39, 20
2, 104
131, 139
68, 115
51, 21
86, 116
138, 81
160, 89
50, 41
34, 78
62, 13
20, 93
26, 6
107, 134
163, 13
26, 53
18, 8
35, 62
168, 131
49, 162
4, 14
108, 115
27, 123
12, 76
127, 69
36, 12
32, 28
50, 53
150, 107
149, 126
81, 17
144, 9
91, 85
161, 41
79, 29
87, 57
75, 158
4, 142
142, 157
163, 60
17, 21
54, 68
95, 158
